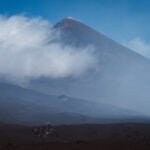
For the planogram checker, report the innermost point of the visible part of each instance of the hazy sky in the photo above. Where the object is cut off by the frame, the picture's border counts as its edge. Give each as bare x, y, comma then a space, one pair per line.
126, 21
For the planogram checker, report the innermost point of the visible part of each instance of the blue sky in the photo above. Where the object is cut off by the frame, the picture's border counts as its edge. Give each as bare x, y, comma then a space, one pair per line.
122, 20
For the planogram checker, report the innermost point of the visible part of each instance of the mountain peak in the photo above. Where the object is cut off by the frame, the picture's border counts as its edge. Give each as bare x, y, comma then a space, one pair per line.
71, 18
67, 21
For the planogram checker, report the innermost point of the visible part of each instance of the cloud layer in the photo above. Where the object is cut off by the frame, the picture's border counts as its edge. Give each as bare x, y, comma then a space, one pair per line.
27, 51
139, 46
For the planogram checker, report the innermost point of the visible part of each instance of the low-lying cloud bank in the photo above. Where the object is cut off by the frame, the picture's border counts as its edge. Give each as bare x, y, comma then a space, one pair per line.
27, 51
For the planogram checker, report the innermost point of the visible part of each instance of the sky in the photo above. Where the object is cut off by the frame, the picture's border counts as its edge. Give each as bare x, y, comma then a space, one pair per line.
126, 21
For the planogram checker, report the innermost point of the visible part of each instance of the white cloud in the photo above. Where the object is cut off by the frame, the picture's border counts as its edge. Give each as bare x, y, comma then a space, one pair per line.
139, 46
26, 52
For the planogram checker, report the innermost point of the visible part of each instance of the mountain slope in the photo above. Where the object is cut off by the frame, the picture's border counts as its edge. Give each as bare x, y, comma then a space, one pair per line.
122, 76
24, 106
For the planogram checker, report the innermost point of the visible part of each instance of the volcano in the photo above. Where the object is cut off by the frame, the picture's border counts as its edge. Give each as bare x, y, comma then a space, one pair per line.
122, 76
117, 90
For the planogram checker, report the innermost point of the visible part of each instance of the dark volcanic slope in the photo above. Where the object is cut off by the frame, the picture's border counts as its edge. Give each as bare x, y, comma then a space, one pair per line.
24, 106
78, 34
122, 76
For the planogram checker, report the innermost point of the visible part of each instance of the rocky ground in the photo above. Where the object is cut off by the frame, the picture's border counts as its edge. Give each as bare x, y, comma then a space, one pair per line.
76, 137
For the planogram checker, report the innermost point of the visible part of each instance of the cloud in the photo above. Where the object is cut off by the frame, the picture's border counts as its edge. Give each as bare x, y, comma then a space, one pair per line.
27, 51
139, 46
